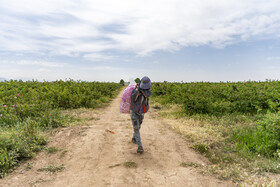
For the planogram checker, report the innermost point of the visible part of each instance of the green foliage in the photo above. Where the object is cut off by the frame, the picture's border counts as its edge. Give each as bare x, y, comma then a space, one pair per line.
263, 139
201, 148
122, 82
221, 98
130, 164
137, 80
18, 143
51, 150
256, 101
27, 108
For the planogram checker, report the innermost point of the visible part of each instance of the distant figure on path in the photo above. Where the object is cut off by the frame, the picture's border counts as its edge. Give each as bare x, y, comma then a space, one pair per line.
138, 107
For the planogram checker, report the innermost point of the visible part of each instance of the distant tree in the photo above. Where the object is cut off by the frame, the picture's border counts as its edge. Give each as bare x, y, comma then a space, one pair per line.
137, 80
122, 82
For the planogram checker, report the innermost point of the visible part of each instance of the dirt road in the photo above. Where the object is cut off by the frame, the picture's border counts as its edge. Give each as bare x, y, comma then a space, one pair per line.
94, 155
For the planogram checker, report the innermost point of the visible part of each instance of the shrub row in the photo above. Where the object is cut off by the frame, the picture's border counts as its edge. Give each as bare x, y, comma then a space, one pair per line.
225, 99
221, 98
26, 108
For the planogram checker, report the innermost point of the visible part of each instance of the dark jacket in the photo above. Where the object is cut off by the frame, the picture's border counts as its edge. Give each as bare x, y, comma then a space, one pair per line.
140, 100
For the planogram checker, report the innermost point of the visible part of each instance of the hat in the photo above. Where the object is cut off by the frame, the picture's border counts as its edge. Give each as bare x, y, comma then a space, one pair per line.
145, 83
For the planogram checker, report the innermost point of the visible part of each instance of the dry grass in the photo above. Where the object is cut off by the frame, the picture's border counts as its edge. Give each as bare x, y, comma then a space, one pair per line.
191, 164
38, 181
194, 130
52, 168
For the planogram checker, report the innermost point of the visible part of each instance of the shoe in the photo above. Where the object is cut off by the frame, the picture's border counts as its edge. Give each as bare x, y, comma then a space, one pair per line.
140, 150
134, 140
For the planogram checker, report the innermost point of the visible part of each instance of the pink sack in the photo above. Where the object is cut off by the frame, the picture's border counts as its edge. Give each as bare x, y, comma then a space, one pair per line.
125, 102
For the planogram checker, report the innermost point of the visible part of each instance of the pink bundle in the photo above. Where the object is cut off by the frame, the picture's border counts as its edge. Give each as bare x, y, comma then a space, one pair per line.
125, 102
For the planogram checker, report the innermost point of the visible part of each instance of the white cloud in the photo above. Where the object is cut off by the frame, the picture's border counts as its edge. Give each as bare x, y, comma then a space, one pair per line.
98, 57
42, 63
92, 30
68, 27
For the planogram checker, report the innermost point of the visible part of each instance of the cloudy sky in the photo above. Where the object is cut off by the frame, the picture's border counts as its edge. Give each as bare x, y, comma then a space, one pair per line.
109, 40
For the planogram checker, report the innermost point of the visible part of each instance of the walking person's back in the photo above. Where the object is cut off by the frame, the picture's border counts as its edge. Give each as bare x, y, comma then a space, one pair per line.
138, 107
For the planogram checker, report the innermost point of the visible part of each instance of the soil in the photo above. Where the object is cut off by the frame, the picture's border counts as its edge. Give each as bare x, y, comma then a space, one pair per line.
102, 154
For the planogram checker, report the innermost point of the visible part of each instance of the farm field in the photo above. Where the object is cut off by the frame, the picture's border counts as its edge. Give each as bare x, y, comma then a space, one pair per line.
235, 125
209, 68
191, 135
29, 109
99, 152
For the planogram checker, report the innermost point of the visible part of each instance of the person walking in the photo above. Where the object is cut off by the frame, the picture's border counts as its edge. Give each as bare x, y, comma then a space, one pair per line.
138, 107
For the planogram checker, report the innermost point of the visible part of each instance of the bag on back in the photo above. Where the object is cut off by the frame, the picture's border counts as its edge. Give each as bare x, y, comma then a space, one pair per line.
141, 102
125, 101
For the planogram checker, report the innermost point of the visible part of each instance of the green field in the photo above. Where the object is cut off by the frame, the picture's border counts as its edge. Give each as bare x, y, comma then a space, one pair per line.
234, 122
29, 108
222, 98
235, 125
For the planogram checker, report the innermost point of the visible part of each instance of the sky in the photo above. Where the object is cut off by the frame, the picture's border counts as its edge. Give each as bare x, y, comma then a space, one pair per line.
167, 40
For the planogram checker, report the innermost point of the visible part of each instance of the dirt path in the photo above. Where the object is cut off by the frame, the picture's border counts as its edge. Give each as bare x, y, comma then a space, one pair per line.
95, 156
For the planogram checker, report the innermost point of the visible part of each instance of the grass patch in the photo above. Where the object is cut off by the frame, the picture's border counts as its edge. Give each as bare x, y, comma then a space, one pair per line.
38, 181
19, 143
190, 164
52, 150
29, 166
262, 139
130, 164
52, 168
201, 148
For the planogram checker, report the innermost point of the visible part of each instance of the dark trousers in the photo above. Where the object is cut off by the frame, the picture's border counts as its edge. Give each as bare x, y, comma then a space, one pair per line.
136, 122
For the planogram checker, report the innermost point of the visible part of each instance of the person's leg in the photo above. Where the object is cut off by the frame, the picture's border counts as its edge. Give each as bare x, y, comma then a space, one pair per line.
140, 148
136, 122
133, 118
141, 117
